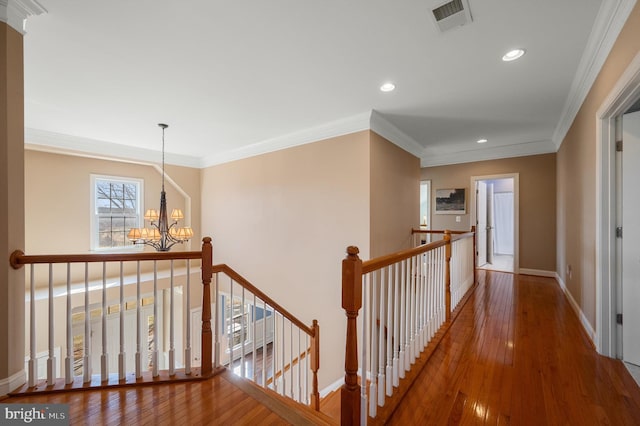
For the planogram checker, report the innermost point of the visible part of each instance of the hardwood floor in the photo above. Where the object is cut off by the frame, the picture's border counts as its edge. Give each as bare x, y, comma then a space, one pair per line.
518, 355
223, 400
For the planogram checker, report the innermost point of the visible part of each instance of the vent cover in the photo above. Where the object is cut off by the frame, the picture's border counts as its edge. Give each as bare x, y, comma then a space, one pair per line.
451, 14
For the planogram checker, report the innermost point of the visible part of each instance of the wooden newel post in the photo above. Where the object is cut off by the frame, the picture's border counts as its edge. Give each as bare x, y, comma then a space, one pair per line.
447, 275
207, 336
351, 303
315, 365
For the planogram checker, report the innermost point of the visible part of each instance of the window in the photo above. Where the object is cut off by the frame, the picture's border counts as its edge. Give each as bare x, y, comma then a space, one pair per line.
115, 210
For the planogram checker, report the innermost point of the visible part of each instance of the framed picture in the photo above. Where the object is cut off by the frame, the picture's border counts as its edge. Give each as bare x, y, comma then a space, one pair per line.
451, 201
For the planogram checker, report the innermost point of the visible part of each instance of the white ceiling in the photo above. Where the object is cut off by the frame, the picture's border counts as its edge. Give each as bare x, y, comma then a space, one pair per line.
235, 78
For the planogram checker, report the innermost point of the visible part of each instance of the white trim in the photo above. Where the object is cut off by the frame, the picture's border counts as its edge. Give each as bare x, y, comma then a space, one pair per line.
619, 99
42, 140
15, 12
537, 272
609, 22
516, 209
581, 316
332, 129
439, 158
332, 387
389, 131
12, 382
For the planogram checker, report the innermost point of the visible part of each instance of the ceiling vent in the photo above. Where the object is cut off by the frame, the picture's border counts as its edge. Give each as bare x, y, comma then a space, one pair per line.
451, 14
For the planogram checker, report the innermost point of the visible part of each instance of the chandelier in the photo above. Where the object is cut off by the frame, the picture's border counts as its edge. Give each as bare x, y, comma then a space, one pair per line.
161, 234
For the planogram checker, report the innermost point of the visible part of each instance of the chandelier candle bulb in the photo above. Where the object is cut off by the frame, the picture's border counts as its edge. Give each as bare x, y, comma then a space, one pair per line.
161, 235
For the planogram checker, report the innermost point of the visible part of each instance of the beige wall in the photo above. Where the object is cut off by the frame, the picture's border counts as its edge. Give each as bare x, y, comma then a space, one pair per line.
395, 196
11, 202
284, 220
58, 192
576, 164
537, 176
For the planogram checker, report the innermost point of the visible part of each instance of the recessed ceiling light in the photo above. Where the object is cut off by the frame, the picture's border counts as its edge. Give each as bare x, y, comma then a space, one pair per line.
483, 140
387, 87
512, 55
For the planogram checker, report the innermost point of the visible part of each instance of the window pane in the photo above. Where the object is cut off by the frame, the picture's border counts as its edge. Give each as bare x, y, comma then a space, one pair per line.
118, 211
117, 224
104, 224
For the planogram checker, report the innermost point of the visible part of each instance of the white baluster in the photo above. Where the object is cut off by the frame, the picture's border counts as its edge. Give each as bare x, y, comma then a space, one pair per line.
121, 356
68, 361
33, 362
291, 358
172, 324
390, 334
412, 316
219, 308
253, 340
154, 354
403, 319
274, 350
264, 344
381, 339
104, 358
396, 327
138, 326
51, 361
299, 399
187, 350
242, 336
231, 326
363, 360
283, 388
87, 328
374, 347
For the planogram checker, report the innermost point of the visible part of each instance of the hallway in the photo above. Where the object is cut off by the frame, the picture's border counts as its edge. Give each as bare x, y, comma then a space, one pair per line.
517, 355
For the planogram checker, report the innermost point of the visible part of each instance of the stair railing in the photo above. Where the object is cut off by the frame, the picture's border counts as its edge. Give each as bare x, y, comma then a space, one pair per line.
260, 340
406, 298
129, 317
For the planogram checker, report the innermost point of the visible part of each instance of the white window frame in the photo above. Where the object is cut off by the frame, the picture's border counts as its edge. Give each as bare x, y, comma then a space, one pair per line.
94, 211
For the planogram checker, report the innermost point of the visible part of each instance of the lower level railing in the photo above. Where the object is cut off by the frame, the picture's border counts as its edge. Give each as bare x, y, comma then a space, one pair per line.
109, 319
262, 341
405, 299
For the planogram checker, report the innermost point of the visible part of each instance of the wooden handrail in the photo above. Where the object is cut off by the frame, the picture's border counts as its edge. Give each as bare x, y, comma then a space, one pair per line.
18, 259
436, 231
246, 284
381, 262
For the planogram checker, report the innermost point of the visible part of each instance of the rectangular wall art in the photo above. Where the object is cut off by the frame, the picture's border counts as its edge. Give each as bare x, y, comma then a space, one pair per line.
451, 201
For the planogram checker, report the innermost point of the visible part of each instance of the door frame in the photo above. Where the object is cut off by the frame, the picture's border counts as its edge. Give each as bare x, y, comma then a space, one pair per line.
516, 210
620, 98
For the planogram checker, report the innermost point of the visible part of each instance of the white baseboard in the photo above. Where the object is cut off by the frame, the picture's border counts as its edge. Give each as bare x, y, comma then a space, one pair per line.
537, 272
332, 387
583, 319
13, 382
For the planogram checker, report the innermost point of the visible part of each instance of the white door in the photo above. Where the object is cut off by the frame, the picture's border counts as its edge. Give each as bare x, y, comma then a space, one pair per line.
481, 222
490, 222
631, 236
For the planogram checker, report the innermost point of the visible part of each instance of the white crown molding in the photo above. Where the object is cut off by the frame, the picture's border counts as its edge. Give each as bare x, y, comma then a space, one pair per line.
332, 129
15, 12
389, 131
42, 140
609, 22
488, 153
